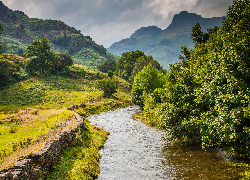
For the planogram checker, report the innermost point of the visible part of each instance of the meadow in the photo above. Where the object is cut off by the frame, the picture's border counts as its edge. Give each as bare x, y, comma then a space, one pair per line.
33, 110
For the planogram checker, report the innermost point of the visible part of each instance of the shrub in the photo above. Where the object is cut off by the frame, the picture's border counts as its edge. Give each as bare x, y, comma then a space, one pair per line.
145, 82
110, 74
108, 86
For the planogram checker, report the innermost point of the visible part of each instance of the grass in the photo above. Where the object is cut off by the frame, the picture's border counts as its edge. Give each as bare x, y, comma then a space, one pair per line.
81, 160
32, 108
17, 135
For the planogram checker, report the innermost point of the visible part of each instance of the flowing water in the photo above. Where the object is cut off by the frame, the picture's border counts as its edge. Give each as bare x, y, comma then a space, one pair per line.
137, 151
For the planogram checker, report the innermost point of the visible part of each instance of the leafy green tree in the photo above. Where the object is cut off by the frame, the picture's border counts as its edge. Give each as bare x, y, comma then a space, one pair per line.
197, 34
237, 38
141, 63
10, 67
145, 82
1, 31
199, 37
110, 74
126, 63
206, 96
62, 62
108, 86
43, 60
107, 65
41, 57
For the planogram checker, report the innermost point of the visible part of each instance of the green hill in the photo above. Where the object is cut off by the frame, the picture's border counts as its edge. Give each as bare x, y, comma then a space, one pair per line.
165, 45
20, 30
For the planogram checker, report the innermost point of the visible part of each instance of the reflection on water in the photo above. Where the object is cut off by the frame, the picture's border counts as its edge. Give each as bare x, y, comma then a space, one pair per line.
135, 150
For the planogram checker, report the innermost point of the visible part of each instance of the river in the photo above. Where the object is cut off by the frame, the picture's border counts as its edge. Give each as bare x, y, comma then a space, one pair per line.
137, 151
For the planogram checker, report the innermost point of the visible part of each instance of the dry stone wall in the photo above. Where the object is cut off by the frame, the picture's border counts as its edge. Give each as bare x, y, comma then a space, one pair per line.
29, 168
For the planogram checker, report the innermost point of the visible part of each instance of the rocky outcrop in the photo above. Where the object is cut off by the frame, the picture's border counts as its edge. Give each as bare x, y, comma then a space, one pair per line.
29, 167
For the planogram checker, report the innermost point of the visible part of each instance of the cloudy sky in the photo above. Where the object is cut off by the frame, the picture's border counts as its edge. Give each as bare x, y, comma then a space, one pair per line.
109, 21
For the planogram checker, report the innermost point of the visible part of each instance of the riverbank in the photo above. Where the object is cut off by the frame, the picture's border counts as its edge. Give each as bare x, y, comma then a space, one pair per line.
238, 167
34, 110
147, 153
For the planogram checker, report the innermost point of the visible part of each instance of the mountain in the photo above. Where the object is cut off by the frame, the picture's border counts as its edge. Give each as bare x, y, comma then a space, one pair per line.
165, 45
20, 30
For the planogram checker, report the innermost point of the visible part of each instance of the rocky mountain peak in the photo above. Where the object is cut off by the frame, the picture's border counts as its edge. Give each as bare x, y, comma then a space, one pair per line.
151, 31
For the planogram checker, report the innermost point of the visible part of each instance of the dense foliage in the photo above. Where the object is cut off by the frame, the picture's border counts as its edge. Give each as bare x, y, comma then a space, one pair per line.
43, 60
141, 63
206, 95
11, 69
133, 62
20, 31
108, 85
145, 82
126, 63
107, 66
1, 30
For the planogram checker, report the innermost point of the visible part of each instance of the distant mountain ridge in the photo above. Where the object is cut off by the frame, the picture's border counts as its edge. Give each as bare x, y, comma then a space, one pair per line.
20, 30
165, 45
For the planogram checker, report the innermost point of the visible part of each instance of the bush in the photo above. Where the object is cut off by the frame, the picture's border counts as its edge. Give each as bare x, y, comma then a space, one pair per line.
110, 74
145, 82
206, 96
108, 86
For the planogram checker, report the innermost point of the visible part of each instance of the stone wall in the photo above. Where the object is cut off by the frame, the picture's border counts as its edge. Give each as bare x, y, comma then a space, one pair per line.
29, 168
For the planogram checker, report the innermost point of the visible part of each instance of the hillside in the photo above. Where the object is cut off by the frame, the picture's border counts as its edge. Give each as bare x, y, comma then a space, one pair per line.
165, 45
35, 110
20, 30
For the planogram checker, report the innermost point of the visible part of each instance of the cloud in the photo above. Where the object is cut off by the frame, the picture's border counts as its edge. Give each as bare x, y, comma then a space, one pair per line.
109, 21
211, 8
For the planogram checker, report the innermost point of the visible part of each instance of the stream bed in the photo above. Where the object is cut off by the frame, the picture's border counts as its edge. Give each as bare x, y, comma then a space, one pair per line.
137, 151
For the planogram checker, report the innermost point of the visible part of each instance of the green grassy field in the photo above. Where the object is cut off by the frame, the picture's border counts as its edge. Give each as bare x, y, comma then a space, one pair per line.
32, 108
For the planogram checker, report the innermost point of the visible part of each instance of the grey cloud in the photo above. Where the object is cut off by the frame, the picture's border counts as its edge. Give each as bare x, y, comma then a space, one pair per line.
212, 8
107, 21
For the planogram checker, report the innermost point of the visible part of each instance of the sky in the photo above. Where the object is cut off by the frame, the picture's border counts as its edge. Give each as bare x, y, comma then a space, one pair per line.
109, 21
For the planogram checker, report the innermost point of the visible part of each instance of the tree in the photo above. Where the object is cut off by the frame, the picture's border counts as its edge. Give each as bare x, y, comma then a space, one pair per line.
10, 66
197, 34
43, 60
237, 38
62, 61
1, 31
41, 57
141, 63
107, 65
108, 86
110, 74
126, 63
145, 82
206, 96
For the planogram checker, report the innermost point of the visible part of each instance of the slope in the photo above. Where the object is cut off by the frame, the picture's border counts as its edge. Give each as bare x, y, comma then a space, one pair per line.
165, 45
20, 30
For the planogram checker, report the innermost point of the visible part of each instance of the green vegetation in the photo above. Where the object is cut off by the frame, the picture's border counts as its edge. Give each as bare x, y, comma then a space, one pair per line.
20, 30
132, 62
1, 31
43, 60
31, 108
107, 66
205, 98
11, 69
141, 63
165, 45
108, 86
126, 63
146, 81
80, 161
